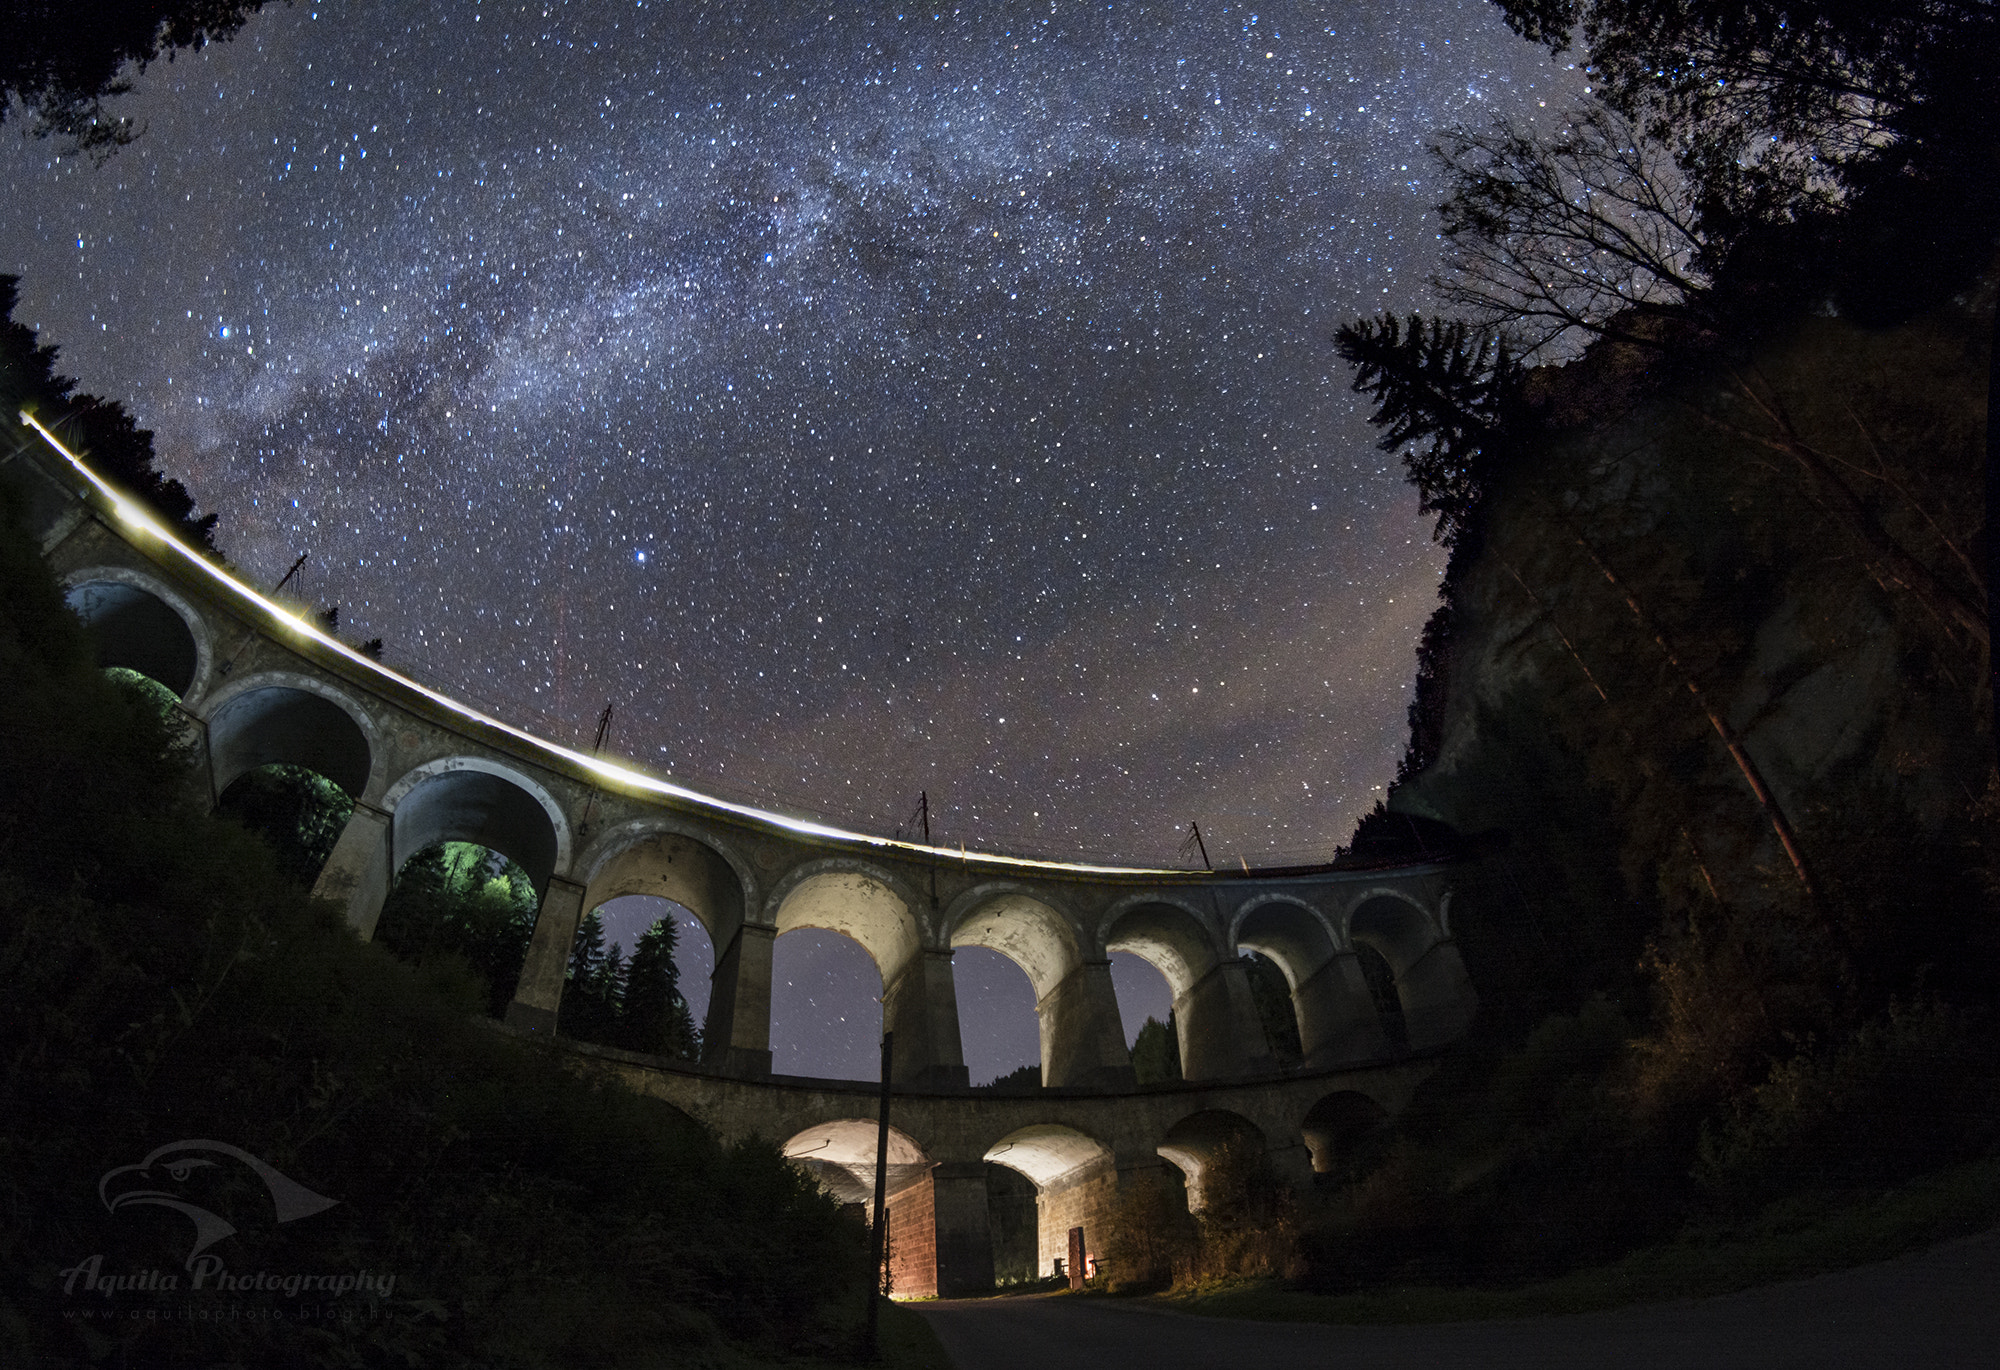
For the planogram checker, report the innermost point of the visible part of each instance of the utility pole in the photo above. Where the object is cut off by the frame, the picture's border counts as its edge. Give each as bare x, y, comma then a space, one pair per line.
924, 805
871, 1345
283, 581
596, 749
1194, 841
286, 579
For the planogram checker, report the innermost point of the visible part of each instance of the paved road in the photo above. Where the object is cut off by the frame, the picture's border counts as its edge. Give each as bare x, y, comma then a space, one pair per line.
1939, 1308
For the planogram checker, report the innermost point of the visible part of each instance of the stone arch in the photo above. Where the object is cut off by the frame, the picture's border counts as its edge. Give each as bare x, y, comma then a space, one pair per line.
1394, 924
1076, 1184
1082, 1042
1336, 1122
1193, 1144
1020, 925
840, 1154
857, 900
140, 624
281, 717
671, 861
1328, 1002
1168, 934
1432, 989
874, 908
1048, 1152
471, 799
1214, 1017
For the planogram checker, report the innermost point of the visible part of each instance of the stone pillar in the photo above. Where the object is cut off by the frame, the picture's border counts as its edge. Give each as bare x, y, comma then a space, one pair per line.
737, 1036
1083, 1038
1338, 1024
920, 1005
964, 1229
357, 875
1438, 999
539, 994
1221, 1035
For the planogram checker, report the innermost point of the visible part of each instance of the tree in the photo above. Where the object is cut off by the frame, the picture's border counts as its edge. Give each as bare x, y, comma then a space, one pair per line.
1156, 1052
1590, 232
101, 430
1762, 98
461, 899
62, 60
654, 1017
1444, 390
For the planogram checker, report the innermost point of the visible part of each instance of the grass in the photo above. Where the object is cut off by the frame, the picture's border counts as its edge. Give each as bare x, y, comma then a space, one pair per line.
1791, 1240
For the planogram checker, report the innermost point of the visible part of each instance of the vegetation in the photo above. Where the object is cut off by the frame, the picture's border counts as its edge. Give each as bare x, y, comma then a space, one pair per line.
102, 430
62, 61
167, 980
1705, 692
1156, 1052
459, 903
634, 1004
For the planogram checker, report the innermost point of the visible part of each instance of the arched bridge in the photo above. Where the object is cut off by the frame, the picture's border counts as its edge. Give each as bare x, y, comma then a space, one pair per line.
259, 685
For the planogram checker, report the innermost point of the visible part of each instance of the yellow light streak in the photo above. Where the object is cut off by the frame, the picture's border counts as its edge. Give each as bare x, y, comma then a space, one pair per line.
262, 605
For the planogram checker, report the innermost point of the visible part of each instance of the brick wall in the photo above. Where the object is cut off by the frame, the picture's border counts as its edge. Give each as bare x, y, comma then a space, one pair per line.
913, 1241
1084, 1198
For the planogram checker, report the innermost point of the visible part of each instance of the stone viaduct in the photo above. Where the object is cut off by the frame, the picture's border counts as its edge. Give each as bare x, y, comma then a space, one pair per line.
258, 685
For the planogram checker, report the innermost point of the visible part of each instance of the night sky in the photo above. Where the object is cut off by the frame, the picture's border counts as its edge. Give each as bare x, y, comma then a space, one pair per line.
933, 400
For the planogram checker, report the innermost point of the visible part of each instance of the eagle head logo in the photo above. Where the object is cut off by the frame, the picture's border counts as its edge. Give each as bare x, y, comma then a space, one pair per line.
176, 1175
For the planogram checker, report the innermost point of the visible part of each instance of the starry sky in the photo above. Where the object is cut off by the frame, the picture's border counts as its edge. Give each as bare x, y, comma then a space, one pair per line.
862, 401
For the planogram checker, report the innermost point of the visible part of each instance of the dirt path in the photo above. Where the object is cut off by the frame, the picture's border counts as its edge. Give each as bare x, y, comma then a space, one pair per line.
1938, 1309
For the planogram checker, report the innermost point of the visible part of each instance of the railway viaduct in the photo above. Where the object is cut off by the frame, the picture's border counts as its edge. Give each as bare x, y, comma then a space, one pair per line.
257, 684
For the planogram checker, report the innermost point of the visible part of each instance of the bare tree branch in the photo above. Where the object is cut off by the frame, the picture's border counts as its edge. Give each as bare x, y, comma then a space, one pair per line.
1551, 239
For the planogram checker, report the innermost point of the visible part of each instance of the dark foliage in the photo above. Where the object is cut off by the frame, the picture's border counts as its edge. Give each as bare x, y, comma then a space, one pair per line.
100, 431
635, 1004
1443, 392
300, 813
1021, 1080
1156, 1052
460, 902
63, 60
1272, 995
165, 980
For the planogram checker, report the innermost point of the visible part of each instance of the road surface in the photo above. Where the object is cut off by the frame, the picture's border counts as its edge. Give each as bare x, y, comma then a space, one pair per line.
1936, 1309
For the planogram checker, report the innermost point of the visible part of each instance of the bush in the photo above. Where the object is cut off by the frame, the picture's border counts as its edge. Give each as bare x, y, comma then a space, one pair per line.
165, 979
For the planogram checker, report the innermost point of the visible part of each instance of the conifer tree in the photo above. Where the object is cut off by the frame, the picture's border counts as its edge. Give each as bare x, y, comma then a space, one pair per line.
1444, 393
654, 1015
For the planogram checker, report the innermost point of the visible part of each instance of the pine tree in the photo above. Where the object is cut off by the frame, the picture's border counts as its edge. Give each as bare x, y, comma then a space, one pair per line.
655, 1016
586, 957
1156, 1052
1444, 393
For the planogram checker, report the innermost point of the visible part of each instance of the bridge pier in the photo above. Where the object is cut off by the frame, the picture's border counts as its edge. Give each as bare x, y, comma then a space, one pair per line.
920, 1005
737, 1036
538, 997
1438, 998
357, 876
1221, 1035
1337, 1018
1083, 1038
964, 1229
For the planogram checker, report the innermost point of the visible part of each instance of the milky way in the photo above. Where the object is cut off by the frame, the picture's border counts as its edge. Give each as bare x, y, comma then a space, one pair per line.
862, 405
